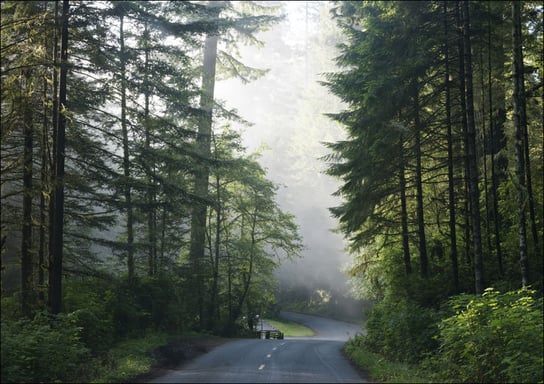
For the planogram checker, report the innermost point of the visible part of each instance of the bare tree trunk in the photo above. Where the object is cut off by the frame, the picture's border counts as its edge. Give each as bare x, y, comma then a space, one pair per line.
27, 270
423, 259
474, 192
464, 125
519, 121
247, 277
56, 260
492, 138
44, 189
404, 211
485, 150
44, 172
215, 252
54, 126
126, 155
215, 260
198, 215
151, 194
451, 180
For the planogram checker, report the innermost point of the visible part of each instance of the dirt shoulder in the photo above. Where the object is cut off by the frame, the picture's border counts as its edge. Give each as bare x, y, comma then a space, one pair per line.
178, 352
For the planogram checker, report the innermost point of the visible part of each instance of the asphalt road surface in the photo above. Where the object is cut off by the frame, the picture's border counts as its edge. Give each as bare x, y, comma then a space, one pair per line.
316, 359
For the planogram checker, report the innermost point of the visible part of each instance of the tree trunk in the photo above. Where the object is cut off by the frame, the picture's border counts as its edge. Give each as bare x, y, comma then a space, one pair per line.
464, 125
492, 149
198, 214
151, 194
27, 270
212, 310
247, 277
451, 179
45, 170
232, 320
126, 155
519, 122
474, 192
424, 264
56, 257
54, 126
43, 203
485, 143
404, 211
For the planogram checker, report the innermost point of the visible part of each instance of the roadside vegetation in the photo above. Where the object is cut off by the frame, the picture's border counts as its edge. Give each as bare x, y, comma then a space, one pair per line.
382, 370
106, 335
130, 358
290, 328
492, 338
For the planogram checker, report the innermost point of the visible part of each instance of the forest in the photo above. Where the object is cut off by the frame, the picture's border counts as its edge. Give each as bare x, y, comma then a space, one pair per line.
442, 182
130, 205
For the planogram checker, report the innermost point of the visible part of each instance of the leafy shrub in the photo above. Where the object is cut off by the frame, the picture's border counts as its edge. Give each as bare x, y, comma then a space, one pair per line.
85, 299
401, 330
492, 338
11, 308
380, 369
45, 349
147, 302
109, 310
130, 358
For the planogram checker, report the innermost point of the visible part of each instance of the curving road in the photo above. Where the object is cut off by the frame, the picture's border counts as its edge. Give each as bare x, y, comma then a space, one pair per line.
315, 359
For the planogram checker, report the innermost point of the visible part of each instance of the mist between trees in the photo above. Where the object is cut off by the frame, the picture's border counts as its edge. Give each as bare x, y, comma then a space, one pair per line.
129, 200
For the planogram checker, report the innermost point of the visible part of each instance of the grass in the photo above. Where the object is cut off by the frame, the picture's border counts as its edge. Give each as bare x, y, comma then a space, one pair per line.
290, 328
130, 358
385, 371
133, 357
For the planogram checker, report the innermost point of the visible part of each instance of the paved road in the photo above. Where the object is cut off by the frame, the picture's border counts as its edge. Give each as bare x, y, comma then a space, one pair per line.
327, 329
292, 360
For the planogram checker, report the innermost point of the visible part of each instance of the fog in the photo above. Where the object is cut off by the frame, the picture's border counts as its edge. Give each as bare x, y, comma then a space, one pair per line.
286, 108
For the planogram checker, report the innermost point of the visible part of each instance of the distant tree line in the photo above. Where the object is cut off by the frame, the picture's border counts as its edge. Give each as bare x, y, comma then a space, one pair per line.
125, 193
442, 170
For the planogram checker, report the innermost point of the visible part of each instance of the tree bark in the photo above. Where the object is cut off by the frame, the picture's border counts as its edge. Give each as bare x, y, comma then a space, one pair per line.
43, 203
150, 193
474, 192
198, 214
464, 125
56, 257
519, 122
214, 253
492, 138
27, 270
126, 154
404, 211
423, 259
451, 177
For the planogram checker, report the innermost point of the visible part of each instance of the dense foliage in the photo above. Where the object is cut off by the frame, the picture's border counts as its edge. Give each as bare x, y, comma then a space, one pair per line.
45, 349
442, 180
494, 338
